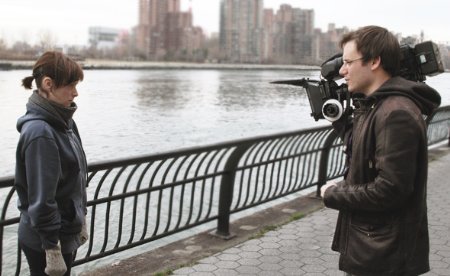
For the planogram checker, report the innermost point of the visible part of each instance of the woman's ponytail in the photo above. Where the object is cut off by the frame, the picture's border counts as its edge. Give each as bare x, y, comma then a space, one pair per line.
28, 82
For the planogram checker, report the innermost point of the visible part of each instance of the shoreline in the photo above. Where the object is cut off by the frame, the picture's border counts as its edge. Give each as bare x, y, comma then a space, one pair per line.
96, 64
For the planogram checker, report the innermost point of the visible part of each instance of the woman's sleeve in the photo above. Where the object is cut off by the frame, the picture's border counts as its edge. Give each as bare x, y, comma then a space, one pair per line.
43, 169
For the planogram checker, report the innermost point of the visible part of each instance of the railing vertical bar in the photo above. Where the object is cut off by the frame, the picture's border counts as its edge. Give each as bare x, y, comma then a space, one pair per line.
136, 199
324, 161
202, 194
2, 219
249, 173
299, 174
183, 187
108, 208
94, 208
269, 157
261, 180
257, 153
158, 209
262, 168
267, 146
242, 194
19, 260
304, 158
192, 201
148, 198
279, 154
171, 194
122, 203
295, 154
287, 148
311, 157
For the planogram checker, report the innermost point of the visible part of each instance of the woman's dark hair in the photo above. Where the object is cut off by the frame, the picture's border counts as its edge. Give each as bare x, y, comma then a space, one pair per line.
57, 66
373, 42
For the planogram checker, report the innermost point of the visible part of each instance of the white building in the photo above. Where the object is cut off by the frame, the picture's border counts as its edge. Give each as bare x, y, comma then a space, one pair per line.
106, 38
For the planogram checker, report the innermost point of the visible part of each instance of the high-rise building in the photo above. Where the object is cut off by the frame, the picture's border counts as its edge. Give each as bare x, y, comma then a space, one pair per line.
164, 31
283, 34
241, 30
151, 29
292, 34
303, 36
328, 42
269, 22
248, 34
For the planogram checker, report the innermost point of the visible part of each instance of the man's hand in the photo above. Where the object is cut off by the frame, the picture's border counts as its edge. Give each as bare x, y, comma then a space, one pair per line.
325, 187
55, 261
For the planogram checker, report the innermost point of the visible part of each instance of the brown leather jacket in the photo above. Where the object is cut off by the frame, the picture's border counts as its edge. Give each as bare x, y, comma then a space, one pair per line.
382, 226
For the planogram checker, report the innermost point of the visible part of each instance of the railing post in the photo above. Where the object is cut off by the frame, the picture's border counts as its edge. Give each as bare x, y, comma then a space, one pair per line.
323, 166
448, 126
226, 191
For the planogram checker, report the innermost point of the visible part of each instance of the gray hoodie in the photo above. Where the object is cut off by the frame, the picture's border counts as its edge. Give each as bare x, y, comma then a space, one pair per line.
51, 177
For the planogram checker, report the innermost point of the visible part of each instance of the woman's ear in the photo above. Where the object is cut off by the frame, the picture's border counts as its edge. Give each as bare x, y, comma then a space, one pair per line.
47, 84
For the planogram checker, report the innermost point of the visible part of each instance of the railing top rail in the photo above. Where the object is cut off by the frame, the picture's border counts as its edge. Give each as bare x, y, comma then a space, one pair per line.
190, 150
107, 164
7, 181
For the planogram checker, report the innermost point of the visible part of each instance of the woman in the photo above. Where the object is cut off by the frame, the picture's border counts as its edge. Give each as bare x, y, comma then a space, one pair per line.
51, 170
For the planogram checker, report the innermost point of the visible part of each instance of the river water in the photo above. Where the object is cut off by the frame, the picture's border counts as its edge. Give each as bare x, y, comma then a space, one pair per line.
126, 113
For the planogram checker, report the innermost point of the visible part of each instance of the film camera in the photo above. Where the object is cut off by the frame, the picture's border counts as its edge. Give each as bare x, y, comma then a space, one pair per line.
330, 100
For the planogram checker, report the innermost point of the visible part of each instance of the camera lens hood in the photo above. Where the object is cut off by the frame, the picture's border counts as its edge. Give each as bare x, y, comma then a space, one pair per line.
332, 110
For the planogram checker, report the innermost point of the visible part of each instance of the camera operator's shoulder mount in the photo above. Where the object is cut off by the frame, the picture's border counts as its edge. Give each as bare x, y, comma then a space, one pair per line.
330, 101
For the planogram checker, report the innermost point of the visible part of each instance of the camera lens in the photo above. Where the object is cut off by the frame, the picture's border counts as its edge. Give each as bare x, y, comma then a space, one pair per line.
332, 110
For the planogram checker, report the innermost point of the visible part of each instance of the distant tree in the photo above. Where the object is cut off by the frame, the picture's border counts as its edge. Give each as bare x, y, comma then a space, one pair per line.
47, 41
2, 44
3, 49
23, 50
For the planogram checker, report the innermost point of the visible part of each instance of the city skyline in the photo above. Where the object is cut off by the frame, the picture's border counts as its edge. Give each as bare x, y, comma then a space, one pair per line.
67, 24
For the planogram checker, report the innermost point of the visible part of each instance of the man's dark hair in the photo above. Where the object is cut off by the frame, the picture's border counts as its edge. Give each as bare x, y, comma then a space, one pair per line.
375, 41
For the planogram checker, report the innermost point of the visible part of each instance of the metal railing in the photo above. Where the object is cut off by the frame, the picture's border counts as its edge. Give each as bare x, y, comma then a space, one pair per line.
439, 126
139, 200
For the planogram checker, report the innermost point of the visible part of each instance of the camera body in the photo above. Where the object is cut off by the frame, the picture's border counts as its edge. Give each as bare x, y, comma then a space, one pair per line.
420, 61
330, 101
326, 99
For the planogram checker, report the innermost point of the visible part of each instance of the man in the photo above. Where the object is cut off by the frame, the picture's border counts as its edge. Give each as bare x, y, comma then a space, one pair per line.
382, 226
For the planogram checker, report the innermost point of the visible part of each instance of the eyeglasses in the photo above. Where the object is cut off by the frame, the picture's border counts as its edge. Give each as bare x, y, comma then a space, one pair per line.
347, 63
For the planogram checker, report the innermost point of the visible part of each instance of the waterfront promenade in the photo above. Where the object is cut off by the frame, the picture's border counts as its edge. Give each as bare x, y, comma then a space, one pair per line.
293, 247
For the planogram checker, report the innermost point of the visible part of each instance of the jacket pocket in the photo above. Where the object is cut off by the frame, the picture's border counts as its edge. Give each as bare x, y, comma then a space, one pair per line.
72, 217
374, 246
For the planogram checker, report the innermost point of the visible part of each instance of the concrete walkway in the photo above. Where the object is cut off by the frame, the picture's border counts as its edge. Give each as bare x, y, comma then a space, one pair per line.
302, 247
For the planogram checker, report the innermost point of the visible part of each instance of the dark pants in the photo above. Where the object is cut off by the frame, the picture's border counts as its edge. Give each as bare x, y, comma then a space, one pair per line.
37, 263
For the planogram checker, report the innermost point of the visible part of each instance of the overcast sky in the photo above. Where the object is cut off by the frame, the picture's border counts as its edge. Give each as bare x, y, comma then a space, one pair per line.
68, 20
